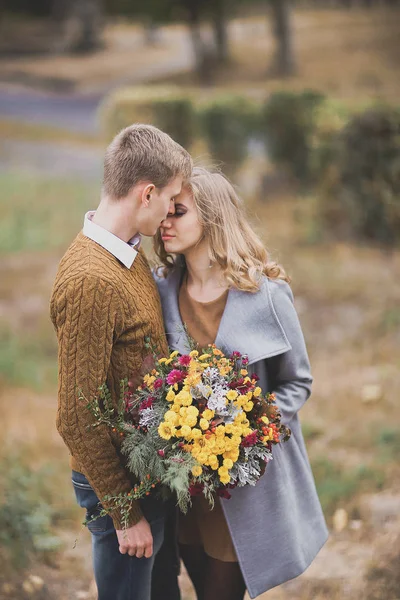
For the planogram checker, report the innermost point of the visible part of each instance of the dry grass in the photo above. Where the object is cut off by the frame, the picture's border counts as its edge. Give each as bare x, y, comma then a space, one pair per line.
347, 54
351, 55
16, 130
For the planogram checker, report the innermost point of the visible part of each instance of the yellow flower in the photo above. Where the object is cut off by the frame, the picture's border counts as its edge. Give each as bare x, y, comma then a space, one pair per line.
171, 417
193, 411
248, 406
196, 434
244, 372
149, 380
191, 421
184, 398
229, 428
220, 431
202, 458
265, 420
174, 353
204, 424
171, 395
166, 431
186, 430
204, 356
183, 411
192, 380
228, 463
193, 353
168, 361
197, 470
232, 395
162, 360
257, 392
175, 407
208, 414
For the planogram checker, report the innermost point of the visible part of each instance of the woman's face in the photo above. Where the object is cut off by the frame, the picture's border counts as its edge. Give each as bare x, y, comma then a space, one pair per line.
182, 231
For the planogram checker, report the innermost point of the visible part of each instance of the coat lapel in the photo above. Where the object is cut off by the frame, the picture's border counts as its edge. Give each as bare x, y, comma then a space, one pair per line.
249, 324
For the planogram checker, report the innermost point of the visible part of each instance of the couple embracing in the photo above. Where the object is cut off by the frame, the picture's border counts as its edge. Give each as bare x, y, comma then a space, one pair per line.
216, 283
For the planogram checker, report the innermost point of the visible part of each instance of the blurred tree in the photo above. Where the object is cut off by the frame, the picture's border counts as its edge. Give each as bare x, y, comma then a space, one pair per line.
283, 62
219, 8
81, 24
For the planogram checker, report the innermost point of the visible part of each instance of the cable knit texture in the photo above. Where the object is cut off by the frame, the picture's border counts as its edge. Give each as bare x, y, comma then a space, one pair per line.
102, 313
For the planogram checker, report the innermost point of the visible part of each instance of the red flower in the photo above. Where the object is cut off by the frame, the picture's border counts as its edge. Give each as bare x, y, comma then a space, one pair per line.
158, 383
175, 377
254, 376
196, 489
249, 440
184, 360
148, 403
161, 453
235, 355
223, 493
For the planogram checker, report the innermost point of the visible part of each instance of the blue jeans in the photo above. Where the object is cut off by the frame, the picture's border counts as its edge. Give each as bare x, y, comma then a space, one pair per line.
119, 576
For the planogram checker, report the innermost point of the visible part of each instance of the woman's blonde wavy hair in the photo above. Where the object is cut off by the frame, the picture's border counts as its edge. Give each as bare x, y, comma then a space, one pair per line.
233, 243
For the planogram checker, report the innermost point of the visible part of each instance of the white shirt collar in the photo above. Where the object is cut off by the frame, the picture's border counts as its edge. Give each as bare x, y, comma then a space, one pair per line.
126, 252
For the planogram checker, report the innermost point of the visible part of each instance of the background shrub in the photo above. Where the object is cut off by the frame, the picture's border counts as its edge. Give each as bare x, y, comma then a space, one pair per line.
26, 516
168, 108
289, 122
368, 162
227, 123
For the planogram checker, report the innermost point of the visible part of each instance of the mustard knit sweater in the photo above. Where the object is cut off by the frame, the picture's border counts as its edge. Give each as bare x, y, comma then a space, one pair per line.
102, 313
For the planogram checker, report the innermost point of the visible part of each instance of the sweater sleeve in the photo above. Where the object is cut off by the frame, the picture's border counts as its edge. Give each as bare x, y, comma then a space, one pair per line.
87, 318
289, 373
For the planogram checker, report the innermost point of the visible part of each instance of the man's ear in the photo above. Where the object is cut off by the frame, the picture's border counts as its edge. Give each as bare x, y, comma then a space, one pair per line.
147, 193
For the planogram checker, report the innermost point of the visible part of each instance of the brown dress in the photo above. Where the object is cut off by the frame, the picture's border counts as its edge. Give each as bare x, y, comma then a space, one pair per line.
202, 525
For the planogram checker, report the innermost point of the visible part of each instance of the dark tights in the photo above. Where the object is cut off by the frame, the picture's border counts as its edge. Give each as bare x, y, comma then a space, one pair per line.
212, 579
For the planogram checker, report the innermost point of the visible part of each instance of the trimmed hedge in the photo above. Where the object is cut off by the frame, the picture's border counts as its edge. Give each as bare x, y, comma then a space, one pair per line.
227, 123
165, 107
349, 158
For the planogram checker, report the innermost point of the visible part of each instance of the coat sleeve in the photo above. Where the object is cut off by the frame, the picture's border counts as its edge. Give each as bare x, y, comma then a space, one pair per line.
289, 373
87, 318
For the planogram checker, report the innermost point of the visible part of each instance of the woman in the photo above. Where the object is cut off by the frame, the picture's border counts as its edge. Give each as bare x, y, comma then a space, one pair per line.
218, 285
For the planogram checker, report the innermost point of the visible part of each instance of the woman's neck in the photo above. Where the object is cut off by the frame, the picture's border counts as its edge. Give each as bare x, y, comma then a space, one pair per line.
204, 279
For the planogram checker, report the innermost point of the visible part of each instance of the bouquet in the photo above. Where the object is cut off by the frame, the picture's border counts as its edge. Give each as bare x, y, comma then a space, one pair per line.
197, 424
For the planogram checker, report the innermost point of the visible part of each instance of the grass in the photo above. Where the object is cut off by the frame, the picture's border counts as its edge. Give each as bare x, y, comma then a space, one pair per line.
40, 213
337, 485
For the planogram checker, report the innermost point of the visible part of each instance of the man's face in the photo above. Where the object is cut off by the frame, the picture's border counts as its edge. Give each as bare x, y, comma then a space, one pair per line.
161, 204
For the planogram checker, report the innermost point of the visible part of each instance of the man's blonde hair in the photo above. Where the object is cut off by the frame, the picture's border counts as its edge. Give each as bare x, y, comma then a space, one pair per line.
142, 153
233, 243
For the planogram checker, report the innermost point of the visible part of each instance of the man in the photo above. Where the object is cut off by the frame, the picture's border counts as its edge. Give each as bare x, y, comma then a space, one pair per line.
104, 305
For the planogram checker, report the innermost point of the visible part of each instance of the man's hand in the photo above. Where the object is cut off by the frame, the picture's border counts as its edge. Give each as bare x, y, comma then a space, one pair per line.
137, 540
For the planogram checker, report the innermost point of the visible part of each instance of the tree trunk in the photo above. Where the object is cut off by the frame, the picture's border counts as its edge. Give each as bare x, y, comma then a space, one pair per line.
220, 30
203, 59
284, 61
81, 24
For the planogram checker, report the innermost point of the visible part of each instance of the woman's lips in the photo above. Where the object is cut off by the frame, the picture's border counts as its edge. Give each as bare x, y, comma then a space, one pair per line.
166, 237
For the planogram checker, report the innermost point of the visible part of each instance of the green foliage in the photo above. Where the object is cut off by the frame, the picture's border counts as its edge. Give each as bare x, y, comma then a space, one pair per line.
26, 516
167, 107
388, 442
288, 126
336, 485
368, 174
310, 431
227, 123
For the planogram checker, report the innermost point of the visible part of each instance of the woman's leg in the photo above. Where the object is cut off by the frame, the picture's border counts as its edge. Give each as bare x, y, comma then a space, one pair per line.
194, 558
223, 580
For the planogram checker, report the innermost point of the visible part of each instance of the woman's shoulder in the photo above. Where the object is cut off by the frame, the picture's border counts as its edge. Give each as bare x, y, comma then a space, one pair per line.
277, 289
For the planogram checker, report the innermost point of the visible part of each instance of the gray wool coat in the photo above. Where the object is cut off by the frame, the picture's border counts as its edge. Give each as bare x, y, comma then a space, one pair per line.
277, 526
